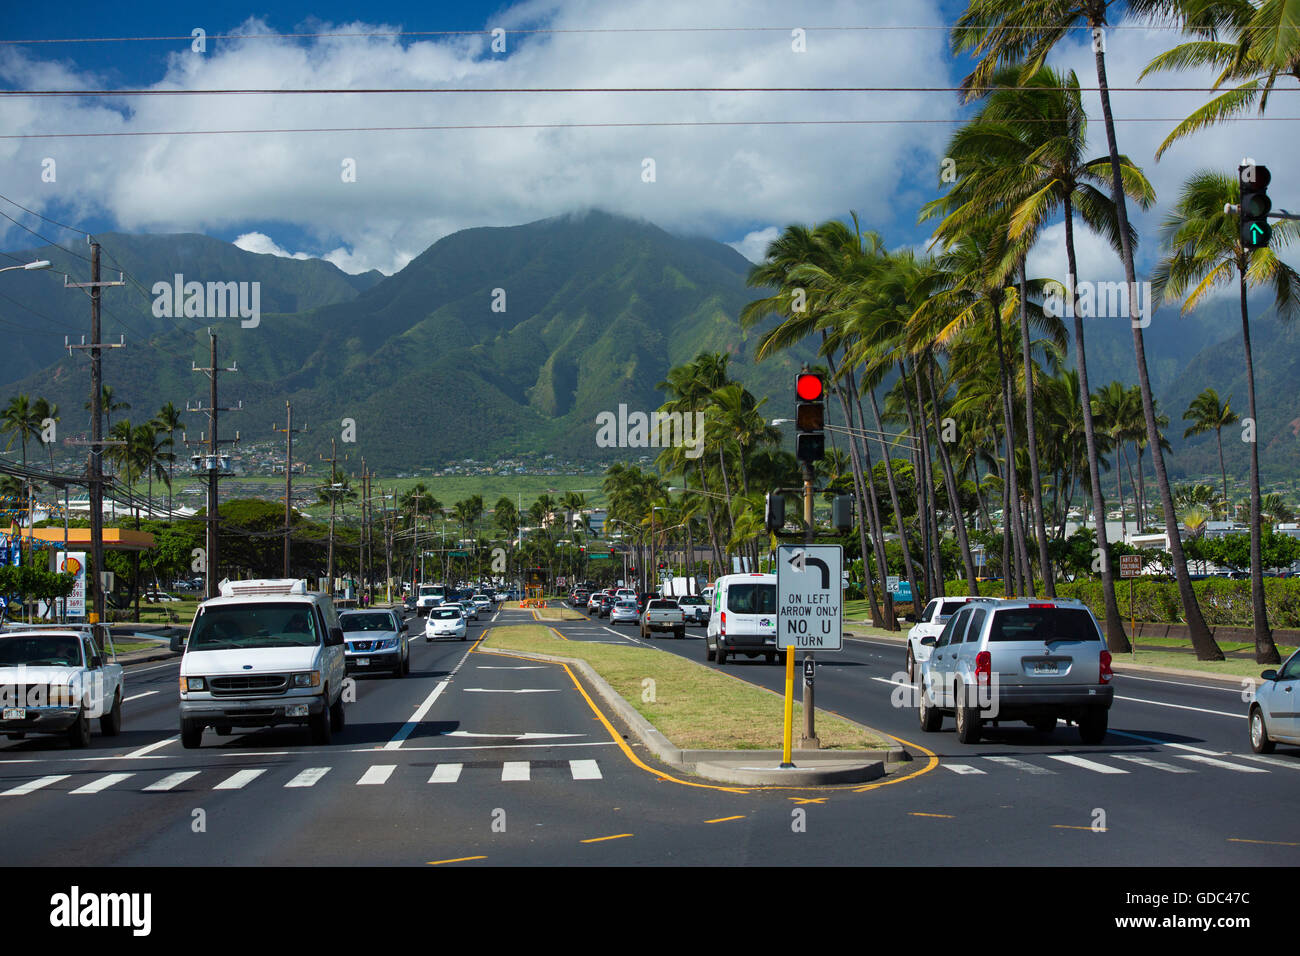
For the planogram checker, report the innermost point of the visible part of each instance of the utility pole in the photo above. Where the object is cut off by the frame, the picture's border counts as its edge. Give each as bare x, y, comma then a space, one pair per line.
96, 462
333, 459
212, 462
289, 432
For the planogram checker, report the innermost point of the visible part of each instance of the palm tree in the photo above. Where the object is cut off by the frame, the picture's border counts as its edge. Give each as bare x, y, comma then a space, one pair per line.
1003, 32
169, 420
1206, 414
1206, 251
108, 406
47, 410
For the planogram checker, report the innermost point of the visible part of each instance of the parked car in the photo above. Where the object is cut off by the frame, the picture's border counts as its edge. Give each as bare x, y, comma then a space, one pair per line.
743, 619
445, 621
1273, 712
155, 597
1031, 659
930, 624
266, 652
375, 640
55, 680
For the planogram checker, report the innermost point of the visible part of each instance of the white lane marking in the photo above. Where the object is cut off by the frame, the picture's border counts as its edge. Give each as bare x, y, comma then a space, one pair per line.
239, 779
584, 769
36, 784
1178, 683
150, 748
501, 690
1085, 764
962, 768
418, 716
127, 700
1222, 764
308, 777
103, 783
1201, 710
515, 770
170, 781
537, 736
1015, 764
519, 667
1166, 743
1271, 761
1153, 764
446, 773
376, 775
893, 683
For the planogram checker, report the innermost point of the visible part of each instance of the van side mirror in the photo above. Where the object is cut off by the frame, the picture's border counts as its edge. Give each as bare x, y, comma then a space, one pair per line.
335, 637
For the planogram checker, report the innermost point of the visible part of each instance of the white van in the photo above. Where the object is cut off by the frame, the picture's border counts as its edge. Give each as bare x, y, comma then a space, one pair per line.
265, 652
743, 619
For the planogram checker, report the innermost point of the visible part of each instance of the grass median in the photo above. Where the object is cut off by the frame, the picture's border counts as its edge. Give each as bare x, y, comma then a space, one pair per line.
693, 706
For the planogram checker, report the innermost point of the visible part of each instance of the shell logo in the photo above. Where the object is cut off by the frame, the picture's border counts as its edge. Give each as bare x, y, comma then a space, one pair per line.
70, 565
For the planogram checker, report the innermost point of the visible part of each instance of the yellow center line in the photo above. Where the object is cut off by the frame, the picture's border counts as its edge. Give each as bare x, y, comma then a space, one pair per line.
809, 799
944, 816
1261, 842
725, 819
459, 859
616, 836
1062, 826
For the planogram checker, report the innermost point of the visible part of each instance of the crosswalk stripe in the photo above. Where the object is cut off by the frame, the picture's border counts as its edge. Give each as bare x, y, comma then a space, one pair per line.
103, 783
1153, 764
1085, 764
584, 769
239, 779
170, 781
515, 770
308, 777
962, 768
376, 775
446, 773
1020, 765
1272, 761
1223, 764
36, 784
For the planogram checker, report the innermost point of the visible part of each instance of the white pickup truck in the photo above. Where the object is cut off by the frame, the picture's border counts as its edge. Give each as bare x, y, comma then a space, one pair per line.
429, 597
55, 680
663, 615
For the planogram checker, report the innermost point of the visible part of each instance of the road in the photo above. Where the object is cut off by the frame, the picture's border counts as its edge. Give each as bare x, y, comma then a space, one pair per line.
477, 759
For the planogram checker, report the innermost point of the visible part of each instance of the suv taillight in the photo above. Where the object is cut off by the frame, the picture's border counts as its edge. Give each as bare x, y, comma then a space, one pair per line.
1106, 673
983, 667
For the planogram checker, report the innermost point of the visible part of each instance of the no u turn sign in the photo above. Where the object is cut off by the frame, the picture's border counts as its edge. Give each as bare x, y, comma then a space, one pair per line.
809, 597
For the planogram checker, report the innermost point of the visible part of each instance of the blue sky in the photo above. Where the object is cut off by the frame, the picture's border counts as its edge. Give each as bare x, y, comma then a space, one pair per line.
286, 192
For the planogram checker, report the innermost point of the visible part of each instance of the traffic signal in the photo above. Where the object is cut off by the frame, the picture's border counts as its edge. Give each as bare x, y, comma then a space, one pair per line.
842, 512
809, 418
774, 512
1255, 205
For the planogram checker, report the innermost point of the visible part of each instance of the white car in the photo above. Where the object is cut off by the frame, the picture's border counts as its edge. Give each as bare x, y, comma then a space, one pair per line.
445, 621
930, 624
55, 680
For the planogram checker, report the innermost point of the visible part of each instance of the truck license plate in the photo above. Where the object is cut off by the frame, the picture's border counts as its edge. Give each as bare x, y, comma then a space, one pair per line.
363, 662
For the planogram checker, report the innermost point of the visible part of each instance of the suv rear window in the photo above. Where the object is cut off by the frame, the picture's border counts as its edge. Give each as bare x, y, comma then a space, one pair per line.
1043, 624
752, 598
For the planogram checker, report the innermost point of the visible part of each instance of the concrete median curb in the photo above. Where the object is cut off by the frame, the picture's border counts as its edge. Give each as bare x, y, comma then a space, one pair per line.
746, 767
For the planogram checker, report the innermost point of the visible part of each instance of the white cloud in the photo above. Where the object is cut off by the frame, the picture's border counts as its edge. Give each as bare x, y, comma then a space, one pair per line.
261, 243
413, 187
754, 246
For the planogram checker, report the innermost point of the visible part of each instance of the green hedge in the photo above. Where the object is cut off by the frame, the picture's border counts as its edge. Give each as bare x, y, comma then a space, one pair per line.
1224, 602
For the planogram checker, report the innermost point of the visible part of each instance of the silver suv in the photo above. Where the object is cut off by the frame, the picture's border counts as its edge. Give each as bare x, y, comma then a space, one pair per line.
1031, 659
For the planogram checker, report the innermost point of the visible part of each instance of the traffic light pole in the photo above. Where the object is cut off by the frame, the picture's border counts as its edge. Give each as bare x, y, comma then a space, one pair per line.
809, 740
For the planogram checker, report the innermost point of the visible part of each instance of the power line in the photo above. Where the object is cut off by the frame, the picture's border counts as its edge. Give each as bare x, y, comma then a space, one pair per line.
324, 91
641, 125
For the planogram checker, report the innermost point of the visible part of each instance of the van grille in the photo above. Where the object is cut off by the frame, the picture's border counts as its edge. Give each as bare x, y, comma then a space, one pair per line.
253, 684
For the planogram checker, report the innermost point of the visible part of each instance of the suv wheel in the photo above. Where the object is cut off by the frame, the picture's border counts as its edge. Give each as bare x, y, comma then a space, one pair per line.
1259, 741
911, 664
968, 719
1092, 725
931, 718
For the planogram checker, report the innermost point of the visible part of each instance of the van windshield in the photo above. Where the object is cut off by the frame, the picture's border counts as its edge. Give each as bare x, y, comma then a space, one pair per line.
752, 598
254, 625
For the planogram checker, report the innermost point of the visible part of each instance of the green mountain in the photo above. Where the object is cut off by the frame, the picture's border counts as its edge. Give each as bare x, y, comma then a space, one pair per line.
493, 341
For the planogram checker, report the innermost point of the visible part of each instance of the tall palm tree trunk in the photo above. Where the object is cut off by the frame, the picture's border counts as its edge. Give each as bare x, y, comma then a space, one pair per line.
927, 466
950, 482
1202, 640
1265, 650
1036, 484
1223, 469
893, 492
877, 524
1012, 513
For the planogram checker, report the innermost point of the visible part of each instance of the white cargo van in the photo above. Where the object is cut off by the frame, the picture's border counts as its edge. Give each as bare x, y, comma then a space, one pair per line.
743, 619
265, 652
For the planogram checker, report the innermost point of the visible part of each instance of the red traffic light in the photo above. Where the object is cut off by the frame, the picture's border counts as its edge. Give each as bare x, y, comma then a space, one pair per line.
808, 387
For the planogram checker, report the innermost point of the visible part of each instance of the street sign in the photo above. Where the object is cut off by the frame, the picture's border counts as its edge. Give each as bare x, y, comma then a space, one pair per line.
809, 599
891, 583
1130, 565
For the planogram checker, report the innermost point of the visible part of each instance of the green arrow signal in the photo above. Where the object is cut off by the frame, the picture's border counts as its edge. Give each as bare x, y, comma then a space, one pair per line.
1255, 232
